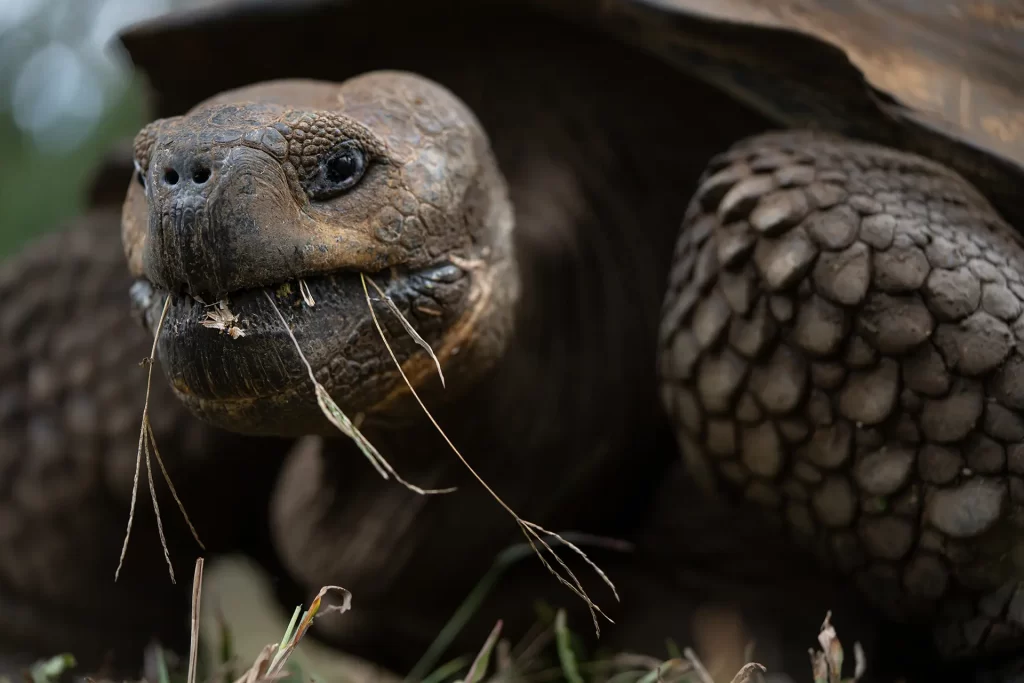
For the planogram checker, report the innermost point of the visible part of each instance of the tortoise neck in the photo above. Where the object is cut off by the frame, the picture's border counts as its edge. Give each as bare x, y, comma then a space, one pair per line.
600, 166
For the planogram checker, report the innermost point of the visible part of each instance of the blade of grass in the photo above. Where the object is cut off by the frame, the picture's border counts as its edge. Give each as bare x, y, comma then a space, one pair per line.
529, 529
288, 632
314, 609
272, 664
147, 442
445, 671
197, 594
163, 675
408, 327
466, 609
698, 666
542, 636
335, 415
860, 661
566, 655
627, 677
292, 639
152, 495
170, 484
471, 603
579, 552
307, 296
652, 676
483, 658
258, 670
749, 672
504, 657
142, 435
226, 654
52, 669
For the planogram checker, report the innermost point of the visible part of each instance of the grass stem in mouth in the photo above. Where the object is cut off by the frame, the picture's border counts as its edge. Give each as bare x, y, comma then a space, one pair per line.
147, 444
307, 296
532, 531
341, 421
408, 327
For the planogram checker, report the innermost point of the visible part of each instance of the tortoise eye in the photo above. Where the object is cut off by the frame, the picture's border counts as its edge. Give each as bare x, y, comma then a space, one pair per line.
339, 172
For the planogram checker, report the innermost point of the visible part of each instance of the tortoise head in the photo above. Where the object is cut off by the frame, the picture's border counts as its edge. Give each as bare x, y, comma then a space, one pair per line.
284, 194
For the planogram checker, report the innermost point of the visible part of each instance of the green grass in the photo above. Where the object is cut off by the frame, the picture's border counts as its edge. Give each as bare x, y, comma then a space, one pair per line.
39, 190
549, 651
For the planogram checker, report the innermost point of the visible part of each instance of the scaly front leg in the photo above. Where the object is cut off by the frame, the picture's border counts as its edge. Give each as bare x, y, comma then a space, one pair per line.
841, 342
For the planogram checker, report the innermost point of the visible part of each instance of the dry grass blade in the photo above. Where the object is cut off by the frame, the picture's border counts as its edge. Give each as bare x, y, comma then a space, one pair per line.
574, 585
503, 656
530, 530
170, 484
142, 441
272, 661
576, 549
197, 594
860, 661
750, 672
827, 663
341, 421
307, 295
152, 496
408, 327
698, 666
147, 441
285, 650
258, 670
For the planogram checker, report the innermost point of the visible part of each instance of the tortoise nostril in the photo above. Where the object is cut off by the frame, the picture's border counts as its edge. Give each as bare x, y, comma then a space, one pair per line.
201, 175
171, 176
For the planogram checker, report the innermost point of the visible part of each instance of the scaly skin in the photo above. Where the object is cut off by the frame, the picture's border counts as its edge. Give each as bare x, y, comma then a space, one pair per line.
841, 343
561, 395
570, 412
883, 346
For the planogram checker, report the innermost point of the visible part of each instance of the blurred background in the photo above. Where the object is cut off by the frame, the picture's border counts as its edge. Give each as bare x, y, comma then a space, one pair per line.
67, 93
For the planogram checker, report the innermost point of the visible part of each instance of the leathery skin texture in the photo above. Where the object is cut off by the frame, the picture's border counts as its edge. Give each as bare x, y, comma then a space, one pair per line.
841, 342
833, 347
235, 200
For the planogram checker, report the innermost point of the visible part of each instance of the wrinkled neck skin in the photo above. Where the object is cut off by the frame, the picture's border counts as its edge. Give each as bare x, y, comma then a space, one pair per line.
598, 178
566, 425
600, 149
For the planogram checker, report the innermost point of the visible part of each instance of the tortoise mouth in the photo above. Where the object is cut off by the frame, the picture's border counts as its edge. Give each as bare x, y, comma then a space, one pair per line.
236, 363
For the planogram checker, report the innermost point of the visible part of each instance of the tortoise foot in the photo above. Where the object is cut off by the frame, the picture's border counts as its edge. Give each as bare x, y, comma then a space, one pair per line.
841, 342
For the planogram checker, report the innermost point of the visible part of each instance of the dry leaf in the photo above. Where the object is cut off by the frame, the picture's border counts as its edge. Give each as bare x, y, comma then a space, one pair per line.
219, 317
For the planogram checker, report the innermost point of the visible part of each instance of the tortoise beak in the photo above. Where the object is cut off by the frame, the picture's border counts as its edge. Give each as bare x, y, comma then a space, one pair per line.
212, 221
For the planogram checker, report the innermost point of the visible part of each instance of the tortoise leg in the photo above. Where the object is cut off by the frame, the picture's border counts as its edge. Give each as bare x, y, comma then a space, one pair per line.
71, 397
841, 342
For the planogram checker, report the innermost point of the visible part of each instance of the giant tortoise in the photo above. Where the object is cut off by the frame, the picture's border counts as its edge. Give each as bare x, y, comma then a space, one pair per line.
831, 340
